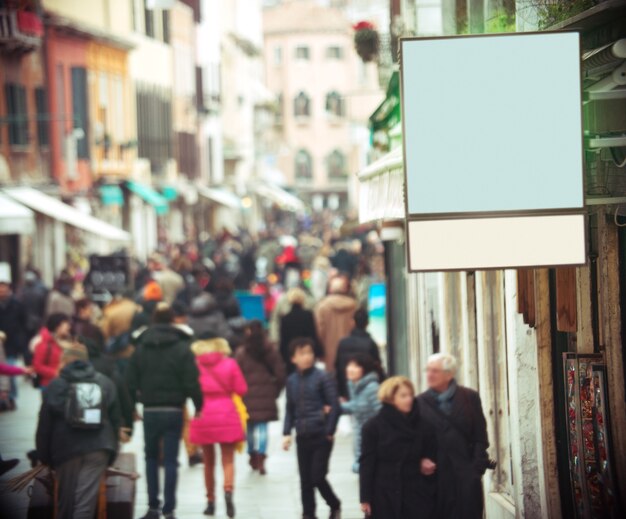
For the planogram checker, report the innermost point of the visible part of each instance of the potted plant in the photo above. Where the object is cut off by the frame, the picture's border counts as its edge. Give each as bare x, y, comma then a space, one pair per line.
366, 41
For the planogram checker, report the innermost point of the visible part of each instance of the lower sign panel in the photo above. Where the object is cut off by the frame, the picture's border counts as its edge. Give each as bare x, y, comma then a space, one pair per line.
502, 242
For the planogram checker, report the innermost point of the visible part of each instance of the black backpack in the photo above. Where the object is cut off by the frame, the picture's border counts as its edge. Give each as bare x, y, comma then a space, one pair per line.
85, 405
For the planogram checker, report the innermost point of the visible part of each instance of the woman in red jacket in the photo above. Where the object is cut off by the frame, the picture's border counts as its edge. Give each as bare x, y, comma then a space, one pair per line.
47, 356
219, 421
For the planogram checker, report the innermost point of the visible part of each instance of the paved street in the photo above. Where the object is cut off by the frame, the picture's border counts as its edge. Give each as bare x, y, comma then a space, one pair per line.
273, 496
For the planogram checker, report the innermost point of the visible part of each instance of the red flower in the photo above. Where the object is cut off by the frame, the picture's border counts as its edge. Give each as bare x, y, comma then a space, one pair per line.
363, 25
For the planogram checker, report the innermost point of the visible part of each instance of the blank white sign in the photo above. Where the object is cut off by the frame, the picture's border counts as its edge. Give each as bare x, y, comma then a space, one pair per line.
492, 123
484, 243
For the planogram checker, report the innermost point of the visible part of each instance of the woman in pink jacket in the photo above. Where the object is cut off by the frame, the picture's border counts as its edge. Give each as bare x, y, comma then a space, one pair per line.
219, 421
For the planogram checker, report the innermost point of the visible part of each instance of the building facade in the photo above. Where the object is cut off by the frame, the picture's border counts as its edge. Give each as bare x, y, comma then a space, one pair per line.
324, 95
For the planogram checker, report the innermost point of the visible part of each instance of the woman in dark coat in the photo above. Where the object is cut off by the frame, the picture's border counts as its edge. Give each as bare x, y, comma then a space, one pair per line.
397, 469
297, 323
264, 372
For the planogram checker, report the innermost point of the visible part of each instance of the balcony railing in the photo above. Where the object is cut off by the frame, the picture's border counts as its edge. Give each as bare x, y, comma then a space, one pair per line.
20, 31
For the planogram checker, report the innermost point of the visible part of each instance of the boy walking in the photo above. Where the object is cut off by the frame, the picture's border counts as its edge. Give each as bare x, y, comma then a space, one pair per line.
313, 409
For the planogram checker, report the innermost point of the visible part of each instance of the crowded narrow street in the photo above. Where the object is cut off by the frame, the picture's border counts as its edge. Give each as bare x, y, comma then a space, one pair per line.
310, 259
273, 496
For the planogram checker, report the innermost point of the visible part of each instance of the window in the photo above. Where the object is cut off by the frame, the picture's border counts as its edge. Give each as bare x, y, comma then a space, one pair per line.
302, 105
334, 104
148, 15
278, 55
336, 165
279, 110
303, 52
80, 110
41, 104
334, 52
303, 166
15, 96
154, 125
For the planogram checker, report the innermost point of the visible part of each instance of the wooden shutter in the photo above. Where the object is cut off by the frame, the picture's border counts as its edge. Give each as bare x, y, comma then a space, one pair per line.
566, 307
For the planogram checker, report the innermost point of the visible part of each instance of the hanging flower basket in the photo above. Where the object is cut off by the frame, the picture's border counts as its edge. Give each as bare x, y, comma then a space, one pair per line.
366, 41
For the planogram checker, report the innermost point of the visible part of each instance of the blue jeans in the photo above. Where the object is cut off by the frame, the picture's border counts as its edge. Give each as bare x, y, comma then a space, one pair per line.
165, 426
257, 435
13, 384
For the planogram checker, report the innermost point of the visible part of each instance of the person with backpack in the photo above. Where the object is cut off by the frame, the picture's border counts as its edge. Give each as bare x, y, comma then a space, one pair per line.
264, 371
77, 433
220, 421
363, 385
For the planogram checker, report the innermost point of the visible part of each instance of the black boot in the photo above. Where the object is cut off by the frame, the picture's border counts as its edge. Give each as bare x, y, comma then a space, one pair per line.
254, 461
230, 506
8, 465
335, 514
210, 508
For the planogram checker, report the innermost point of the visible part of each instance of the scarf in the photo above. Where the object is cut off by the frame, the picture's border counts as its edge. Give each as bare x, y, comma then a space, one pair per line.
444, 399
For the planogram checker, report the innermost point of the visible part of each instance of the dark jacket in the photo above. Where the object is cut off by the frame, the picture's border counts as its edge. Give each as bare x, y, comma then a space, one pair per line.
57, 442
293, 325
85, 328
390, 467
308, 393
33, 296
205, 316
359, 341
13, 323
265, 379
143, 318
227, 303
462, 456
162, 371
107, 366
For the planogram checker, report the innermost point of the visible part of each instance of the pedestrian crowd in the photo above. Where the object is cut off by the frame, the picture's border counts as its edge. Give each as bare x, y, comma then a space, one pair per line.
180, 337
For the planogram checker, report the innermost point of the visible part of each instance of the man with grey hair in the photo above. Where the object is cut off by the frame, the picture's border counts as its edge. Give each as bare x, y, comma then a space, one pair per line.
456, 414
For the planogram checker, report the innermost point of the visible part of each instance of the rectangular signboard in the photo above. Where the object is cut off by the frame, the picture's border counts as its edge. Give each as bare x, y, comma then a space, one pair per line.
489, 243
493, 128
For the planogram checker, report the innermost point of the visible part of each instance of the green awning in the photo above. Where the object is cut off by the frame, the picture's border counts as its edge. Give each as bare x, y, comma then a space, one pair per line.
170, 193
388, 114
111, 194
150, 196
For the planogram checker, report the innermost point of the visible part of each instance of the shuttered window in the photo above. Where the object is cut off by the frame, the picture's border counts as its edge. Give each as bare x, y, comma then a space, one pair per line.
80, 112
15, 96
43, 124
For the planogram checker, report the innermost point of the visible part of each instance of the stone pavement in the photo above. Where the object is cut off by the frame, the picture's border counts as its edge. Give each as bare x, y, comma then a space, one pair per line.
274, 496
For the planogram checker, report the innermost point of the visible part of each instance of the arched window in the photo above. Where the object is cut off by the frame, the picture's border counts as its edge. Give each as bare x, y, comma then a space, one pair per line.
335, 104
302, 105
336, 164
303, 165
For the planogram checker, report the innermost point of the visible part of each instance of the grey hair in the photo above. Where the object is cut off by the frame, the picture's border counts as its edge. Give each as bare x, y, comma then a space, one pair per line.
448, 362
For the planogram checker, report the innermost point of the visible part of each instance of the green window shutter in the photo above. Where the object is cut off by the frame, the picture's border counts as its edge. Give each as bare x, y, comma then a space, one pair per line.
80, 109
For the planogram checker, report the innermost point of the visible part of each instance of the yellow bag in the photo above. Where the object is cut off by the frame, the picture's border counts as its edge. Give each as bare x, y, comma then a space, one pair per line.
242, 411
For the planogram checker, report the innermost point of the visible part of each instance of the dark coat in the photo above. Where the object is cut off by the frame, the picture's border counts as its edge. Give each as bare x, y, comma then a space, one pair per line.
228, 304
462, 456
85, 328
13, 322
265, 380
359, 341
205, 316
308, 393
295, 324
162, 371
107, 366
58, 442
390, 467
34, 297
